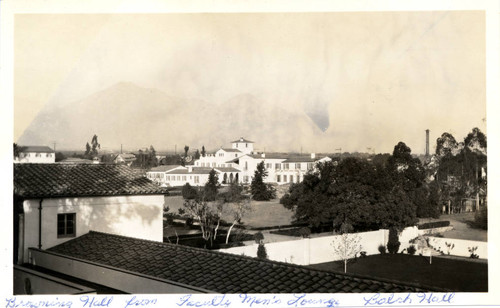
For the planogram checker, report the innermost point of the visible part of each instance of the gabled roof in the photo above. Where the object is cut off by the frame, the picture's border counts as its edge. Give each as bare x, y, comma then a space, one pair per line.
242, 140
216, 271
35, 149
164, 168
195, 170
230, 150
73, 180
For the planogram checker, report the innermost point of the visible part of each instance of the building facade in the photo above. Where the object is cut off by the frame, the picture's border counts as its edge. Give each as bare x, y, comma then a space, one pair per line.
238, 164
35, 154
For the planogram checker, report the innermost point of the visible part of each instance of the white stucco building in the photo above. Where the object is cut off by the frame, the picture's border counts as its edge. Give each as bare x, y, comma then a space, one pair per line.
54, 203
237, 164
35, 154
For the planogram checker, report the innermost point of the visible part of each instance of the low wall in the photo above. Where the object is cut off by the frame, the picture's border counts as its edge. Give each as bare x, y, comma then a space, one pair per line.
435, 230
311, 250
461, 247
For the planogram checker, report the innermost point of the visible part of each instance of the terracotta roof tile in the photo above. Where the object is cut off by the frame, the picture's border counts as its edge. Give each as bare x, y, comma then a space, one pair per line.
68, 180
216, 271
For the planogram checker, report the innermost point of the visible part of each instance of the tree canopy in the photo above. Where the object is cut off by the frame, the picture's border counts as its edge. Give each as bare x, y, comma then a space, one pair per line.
260, 190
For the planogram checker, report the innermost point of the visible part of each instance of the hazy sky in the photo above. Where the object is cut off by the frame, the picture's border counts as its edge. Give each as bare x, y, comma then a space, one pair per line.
367, 79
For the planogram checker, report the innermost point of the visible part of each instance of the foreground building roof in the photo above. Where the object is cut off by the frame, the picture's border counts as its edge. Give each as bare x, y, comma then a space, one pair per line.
216, 271
73, 180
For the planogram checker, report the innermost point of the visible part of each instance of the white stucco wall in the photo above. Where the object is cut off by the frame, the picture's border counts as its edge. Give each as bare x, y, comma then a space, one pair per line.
43, 158
133, 216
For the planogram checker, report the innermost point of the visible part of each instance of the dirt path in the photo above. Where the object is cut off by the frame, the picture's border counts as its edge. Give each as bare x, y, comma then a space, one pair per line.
461, 230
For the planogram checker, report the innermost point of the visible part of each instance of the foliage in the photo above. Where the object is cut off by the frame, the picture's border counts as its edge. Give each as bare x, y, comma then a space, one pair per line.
393, 243
197, 154
382, 249
186, 150
91, 152
449, 247
355, 191
60, 156
261, 251
211, 187
434, 224
145, 159
189, 192
203, 152
258, 237
260, 190
208, 216
346, 245
305, 232
472, 251
481, 218
16, 150
411, 250
241, 205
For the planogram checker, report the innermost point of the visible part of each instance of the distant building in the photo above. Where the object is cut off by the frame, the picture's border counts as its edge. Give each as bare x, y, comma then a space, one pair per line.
176, 175
35, 154
125, 159
238, 164
54, 203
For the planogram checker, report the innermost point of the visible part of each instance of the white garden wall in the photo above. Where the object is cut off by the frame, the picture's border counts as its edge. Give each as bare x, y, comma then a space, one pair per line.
319, 250
311, 250
461, 247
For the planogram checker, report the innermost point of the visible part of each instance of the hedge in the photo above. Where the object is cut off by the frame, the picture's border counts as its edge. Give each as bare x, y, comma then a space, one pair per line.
435, 224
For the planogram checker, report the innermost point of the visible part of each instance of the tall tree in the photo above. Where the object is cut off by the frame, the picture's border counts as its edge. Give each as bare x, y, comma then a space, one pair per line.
87, 150
240, 205
203, 152
197, 154
186, 150
95, 146
260, 190
211, 187
16, 151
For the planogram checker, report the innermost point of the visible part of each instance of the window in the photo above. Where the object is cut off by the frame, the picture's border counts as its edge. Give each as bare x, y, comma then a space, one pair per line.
309, 166
214, 164
291, 178
278, 178
184, 178
66, 225
285, 166
246, 145
49, 155
284, 178
197, 179
246, 165
269, 166
297, 166
277, 166
38, 155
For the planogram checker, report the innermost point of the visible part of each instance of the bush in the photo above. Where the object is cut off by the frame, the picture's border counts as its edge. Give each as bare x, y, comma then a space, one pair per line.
189, 192
435, 224
381, 249
481, 218
189, 222
411, 250
258, 237
393, 243
305, 232
261, 252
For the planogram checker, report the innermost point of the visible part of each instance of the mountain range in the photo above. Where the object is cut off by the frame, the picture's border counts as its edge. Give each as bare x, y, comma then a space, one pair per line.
136, 117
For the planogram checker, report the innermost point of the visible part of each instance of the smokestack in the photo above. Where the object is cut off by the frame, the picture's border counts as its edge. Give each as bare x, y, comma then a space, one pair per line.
426, 142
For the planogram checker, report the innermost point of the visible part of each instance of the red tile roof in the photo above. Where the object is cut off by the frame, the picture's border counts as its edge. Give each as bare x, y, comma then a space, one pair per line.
71, 180
217, 271
35, 148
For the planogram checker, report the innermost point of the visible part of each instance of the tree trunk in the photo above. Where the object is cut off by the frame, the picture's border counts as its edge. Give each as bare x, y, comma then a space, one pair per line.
229, 231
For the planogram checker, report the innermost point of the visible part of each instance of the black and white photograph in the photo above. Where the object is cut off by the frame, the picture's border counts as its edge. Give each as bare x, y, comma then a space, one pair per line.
247, 150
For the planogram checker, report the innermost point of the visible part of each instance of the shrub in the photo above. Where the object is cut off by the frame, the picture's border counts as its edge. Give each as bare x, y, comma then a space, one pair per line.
481, 218
305, 232
381, 249
472, 251
411, 250
258, 237
362, 254
435, 224
261, 252
189, 222
189, 192
393, 243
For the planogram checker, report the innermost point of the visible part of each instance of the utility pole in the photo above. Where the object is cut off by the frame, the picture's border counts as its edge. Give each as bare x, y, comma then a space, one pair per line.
121, 148
175, 149
54, 146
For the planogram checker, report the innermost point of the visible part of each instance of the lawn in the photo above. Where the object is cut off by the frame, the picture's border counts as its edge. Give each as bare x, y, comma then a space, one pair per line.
263, 213
451, 274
